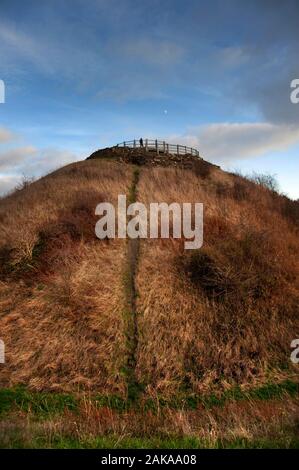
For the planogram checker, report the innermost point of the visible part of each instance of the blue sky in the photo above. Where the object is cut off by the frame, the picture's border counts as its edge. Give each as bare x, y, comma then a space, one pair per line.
215, 74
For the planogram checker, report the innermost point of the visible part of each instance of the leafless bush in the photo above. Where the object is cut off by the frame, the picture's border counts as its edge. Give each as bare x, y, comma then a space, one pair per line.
265, 180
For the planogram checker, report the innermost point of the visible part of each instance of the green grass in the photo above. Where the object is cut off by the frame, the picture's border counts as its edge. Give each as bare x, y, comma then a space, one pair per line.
265, 392
45, 403
58, 441
39, 403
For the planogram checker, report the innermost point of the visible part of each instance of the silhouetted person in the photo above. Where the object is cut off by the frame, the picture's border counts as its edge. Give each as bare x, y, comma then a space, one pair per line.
141, 142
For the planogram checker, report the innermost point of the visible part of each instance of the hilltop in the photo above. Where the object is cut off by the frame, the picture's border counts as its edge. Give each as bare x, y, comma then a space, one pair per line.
149, 322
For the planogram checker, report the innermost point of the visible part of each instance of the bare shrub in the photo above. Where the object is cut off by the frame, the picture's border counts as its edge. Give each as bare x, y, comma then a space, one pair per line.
265, 180
24, 183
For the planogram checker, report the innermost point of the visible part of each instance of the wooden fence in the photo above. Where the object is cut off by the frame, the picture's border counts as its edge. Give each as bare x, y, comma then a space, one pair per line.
160, 146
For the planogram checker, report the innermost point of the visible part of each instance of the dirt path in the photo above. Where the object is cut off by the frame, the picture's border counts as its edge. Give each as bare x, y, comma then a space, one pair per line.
133, 246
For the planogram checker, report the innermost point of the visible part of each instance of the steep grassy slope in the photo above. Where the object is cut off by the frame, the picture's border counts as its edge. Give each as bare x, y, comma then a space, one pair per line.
61, 289
226, 313
150, 341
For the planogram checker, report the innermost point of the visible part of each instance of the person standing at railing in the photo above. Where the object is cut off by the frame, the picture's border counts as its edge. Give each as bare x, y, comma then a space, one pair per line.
141, 142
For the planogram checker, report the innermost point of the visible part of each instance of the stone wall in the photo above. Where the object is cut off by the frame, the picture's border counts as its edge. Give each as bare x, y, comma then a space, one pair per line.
141, 156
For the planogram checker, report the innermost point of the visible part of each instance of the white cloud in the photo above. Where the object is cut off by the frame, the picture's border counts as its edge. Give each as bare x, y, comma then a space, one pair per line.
30, 161
5, 135
49, 159
12, 158
228, 142
8, 182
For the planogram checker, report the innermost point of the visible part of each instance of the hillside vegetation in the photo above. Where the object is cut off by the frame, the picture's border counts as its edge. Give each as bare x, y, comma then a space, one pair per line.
124, 328
61, 289
226, 313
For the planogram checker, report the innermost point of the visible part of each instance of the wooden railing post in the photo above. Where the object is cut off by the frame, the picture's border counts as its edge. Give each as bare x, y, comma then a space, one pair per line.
162, 146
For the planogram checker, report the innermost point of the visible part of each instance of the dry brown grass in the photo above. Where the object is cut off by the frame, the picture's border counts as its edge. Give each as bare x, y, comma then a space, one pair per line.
61, 307
226, 314
206, 320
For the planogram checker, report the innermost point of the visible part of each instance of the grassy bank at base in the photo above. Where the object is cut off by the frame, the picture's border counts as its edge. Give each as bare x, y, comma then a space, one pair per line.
47, 403
175, 442
263, 417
